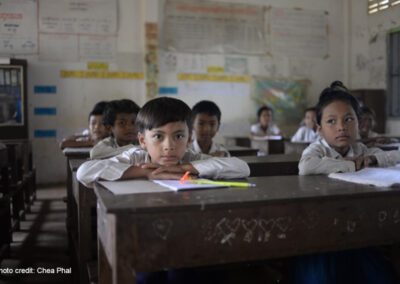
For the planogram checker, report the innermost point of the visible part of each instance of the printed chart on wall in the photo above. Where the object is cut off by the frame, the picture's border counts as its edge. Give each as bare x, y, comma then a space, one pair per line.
209, 27
77, 30
18, 27
298, 32
286, 97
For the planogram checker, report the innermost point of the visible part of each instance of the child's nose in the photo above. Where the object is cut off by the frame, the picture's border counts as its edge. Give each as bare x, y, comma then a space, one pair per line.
341, 125
169, 144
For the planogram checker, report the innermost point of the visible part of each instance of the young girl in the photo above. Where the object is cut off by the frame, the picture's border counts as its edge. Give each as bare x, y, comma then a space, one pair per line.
338, 151
308, 132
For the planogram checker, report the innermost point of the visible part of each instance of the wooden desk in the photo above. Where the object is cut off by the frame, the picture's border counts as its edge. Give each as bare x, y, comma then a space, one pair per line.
283, 216
238, 151
295, 147
273, 165
84, 200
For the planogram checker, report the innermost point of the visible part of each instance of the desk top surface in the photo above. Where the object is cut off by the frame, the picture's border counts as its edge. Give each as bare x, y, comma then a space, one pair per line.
273, 158
270, 189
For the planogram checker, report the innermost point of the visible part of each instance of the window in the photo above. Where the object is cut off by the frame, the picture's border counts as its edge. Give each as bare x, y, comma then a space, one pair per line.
394, 74
379, 5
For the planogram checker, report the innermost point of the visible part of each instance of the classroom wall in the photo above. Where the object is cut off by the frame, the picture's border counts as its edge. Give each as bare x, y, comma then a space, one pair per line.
367, 49
75, 96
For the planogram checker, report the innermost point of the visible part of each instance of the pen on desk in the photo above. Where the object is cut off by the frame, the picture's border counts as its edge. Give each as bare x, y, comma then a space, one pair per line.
224, 183
185, 177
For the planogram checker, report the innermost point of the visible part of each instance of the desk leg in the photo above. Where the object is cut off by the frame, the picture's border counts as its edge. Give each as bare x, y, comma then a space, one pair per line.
84, 231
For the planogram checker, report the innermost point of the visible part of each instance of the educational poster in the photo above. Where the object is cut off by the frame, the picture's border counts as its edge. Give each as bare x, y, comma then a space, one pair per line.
18, 27
298, 32
286, 97
211, 27
78, 17
236, 65
77, 30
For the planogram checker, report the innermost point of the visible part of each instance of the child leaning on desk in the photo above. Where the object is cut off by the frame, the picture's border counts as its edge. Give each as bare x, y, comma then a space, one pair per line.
338, 151
96, 132
119, 118
164, 134
206, 117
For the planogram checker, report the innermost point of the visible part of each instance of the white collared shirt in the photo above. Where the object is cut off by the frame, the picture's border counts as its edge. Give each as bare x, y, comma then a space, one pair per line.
320, 158
207, 166
215, 147
272, 129
108, 147
305, 134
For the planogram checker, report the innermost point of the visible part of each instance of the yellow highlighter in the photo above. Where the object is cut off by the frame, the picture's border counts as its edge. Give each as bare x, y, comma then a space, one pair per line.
223, 183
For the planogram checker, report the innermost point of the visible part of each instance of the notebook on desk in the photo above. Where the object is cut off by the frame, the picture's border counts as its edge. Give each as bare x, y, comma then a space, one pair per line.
384, 177
176, 185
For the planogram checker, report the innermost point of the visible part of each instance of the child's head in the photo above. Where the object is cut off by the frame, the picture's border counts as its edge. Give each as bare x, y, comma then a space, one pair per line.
164, 126
120, 116
97, 130
264, 115
337, 117
206, 118
310, 117
367, 121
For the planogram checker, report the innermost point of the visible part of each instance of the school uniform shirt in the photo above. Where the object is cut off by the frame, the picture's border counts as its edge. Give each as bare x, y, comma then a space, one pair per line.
108, 147
207, 166
215, 147
320, 158
305, 134
272, 129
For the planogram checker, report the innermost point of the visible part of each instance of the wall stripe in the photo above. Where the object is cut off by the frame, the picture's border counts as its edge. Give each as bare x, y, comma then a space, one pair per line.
45, 111
168, 90
45, 89
45, 133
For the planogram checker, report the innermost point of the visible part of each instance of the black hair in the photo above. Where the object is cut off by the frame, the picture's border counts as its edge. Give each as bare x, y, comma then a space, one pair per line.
207, 107
160, 111
118, 106
310, 109
261, 109
336, 92
98, 108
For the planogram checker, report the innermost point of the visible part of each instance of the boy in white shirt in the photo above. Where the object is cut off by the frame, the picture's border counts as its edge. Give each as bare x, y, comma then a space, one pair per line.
308, 132
264, 126
206, 117
164, 133
119, 118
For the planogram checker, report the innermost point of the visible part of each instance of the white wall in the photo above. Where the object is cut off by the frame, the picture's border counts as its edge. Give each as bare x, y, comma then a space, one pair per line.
367, 49
75, 97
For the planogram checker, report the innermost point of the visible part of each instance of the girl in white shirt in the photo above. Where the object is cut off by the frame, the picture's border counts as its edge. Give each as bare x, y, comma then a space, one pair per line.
308, 132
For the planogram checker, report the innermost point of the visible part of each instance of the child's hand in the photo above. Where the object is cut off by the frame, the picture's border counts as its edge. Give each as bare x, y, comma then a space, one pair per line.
218, 154
363, 161
172, 172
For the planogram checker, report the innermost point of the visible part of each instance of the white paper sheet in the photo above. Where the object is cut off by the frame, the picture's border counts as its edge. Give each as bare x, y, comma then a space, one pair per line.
384, 177
176, 185
133, 186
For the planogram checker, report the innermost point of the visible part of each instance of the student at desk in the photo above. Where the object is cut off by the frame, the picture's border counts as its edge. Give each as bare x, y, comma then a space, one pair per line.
119, 118
264, 126
308, 132
96, 132
206, 117
164, 131
338, 151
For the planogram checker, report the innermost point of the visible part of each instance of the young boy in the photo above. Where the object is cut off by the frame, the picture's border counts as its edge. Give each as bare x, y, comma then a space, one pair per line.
338, 150
206, 117
164, 132
307, 133
119, 118
97, 131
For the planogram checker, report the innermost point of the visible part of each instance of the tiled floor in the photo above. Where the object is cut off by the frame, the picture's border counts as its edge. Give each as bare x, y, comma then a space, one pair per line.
40, 247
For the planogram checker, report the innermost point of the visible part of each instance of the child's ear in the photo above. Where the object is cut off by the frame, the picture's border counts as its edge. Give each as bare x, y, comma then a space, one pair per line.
190, 140
141, 140
318, 128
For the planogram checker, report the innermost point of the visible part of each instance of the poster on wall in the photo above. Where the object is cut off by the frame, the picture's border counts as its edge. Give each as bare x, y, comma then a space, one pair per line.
298, 32
11, 96
18, 27
213, 27
286, 97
